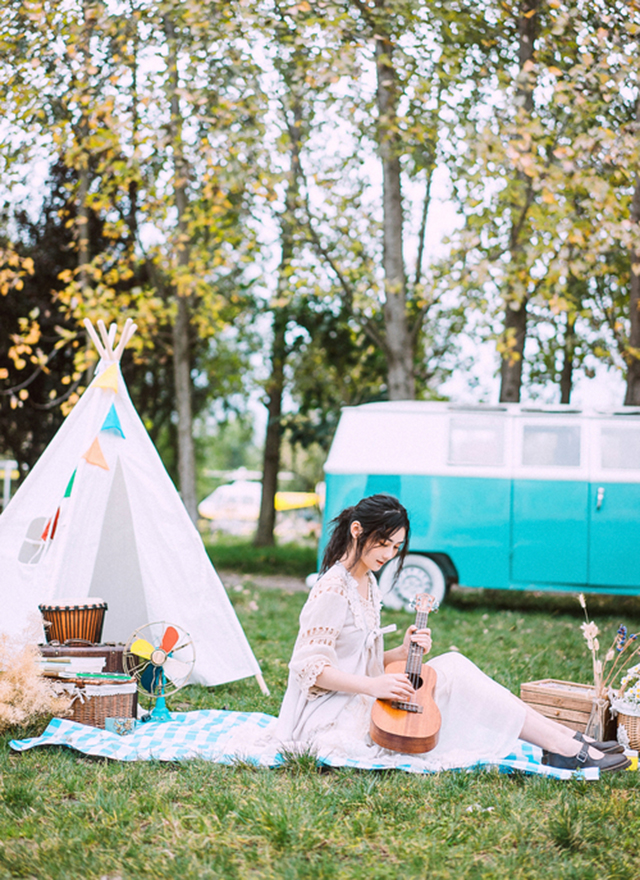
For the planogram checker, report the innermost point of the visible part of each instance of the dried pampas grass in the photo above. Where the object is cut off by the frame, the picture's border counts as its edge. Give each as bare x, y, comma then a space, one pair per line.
25, 694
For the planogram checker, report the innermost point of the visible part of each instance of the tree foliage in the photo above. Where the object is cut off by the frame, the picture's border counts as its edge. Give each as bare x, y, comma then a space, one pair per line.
156, 110
216, 162
548, 180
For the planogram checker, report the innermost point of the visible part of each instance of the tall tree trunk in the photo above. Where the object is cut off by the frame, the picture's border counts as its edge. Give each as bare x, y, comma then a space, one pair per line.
632, 396
271, 459
399, 342
515, 332
515, 323
84, 255
182, 386
279, 349
566, 374
180, 330
82, 221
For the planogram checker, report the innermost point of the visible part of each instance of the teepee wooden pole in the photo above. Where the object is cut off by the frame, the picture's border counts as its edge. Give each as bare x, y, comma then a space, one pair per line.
105, 346
105, 337
94, 336
127, 332
262, 684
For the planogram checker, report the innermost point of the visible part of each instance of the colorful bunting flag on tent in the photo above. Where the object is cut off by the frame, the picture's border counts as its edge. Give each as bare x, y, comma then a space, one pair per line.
94, 455
55, 524
67, 491
108, 379
112, 422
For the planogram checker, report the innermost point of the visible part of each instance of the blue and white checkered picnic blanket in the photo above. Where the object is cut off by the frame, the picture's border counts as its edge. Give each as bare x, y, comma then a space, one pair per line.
214, 736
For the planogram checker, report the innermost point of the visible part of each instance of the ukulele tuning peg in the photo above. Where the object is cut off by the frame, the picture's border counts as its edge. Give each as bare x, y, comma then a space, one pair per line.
424, 602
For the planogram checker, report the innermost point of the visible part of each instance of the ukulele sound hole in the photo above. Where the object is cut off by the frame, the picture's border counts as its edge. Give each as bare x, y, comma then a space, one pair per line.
407, 705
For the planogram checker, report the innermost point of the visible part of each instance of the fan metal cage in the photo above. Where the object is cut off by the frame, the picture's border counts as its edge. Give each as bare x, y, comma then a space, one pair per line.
160, 656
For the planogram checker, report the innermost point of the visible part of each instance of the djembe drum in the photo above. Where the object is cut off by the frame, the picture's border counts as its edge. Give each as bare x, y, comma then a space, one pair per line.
70, 620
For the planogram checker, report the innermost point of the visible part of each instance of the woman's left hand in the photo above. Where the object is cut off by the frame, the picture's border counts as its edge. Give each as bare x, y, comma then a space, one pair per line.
421, 637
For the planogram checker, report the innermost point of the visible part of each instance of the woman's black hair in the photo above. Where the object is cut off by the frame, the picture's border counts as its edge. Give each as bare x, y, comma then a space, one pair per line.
380, 517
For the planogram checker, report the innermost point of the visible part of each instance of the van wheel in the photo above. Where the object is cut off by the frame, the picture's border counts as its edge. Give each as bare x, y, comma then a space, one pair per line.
419, 574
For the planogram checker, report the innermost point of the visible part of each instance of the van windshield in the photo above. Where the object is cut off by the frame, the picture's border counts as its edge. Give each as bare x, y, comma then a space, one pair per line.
620, 447
551, 446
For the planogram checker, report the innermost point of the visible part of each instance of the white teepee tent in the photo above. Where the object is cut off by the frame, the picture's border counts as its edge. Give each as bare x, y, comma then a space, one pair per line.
98, 516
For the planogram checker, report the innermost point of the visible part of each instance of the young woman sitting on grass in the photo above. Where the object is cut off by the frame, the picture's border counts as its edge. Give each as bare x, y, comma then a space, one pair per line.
337, 668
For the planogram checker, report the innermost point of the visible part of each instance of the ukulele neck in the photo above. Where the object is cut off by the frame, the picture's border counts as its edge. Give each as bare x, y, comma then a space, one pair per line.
414, 658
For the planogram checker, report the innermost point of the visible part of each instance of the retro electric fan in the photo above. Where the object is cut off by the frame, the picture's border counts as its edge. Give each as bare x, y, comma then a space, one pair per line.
160, 657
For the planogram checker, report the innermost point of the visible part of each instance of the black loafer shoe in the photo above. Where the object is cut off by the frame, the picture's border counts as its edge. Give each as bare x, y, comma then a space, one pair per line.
605, 764
610, 747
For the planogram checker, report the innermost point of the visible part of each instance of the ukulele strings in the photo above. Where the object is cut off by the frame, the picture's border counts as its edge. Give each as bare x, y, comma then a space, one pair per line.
414, 660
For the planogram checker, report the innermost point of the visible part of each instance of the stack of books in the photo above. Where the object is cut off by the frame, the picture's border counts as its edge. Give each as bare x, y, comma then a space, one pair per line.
71, 667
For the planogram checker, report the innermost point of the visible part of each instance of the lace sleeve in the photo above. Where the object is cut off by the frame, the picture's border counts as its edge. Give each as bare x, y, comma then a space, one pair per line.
321, 621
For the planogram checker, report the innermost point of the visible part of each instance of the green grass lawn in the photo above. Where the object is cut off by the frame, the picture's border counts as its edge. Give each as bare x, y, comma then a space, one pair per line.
65, 816
240, 555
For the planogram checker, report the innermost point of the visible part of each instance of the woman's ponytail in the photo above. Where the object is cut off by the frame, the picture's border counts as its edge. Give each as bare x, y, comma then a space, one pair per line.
340, 538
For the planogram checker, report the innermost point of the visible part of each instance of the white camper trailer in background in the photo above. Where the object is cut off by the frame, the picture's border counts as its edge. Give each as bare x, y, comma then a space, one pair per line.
502, 497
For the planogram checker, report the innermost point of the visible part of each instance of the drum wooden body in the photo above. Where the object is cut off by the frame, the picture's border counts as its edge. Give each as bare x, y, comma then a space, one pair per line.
74, 622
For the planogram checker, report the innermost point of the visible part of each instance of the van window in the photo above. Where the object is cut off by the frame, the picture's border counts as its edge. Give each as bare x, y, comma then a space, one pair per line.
476, 441
620, 447
551, 445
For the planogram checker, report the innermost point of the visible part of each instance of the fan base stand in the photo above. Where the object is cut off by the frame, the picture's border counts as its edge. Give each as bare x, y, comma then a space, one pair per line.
159, 712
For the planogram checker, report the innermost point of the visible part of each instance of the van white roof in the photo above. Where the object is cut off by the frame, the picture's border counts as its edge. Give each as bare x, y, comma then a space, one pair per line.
426, 406
412, 437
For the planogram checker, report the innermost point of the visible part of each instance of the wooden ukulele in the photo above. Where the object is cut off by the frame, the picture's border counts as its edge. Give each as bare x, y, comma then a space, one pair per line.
410, 726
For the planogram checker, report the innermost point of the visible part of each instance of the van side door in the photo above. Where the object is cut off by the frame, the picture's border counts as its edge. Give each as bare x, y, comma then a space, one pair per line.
549, 528
614, 504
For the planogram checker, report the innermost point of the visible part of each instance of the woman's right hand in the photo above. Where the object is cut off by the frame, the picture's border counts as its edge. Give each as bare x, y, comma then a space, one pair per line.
392, 686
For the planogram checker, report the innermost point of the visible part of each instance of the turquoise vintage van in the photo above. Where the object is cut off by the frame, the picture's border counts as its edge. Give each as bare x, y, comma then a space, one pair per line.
501, 497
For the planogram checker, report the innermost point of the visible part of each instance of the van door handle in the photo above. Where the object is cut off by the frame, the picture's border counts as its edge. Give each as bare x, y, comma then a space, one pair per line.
599, 497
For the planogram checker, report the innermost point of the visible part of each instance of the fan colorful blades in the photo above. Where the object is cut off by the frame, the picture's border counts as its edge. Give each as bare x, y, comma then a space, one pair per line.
176, 670
169, 639
161, 658
151, 678
142, 648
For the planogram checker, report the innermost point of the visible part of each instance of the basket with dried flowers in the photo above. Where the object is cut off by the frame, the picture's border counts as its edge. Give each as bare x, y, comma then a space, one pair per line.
626, 705
585, 707
623, 648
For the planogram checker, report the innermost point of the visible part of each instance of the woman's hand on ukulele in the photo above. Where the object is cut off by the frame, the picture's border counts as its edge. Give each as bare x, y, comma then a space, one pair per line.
392, 686
421, 637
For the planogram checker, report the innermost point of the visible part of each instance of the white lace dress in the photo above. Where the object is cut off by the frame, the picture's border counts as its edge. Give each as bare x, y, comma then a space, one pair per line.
481, 720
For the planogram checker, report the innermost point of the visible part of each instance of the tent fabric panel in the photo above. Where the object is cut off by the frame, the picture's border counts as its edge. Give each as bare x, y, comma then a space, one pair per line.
117, 578
169, 543
71, 562
26, 585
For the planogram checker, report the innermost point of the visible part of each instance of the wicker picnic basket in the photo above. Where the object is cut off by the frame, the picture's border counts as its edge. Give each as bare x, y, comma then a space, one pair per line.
631, 724
95, 700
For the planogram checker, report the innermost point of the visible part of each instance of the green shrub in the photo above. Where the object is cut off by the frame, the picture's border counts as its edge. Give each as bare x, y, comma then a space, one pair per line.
237, 554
